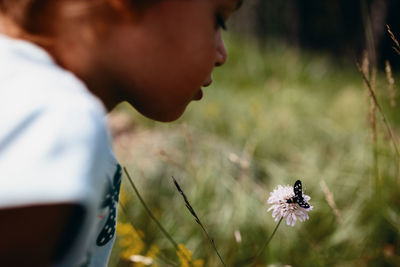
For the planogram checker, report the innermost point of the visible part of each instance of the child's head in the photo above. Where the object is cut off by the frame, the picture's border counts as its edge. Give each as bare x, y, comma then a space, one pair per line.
154, 54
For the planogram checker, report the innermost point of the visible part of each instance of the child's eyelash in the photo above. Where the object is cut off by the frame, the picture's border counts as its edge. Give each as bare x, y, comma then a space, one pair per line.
221, 22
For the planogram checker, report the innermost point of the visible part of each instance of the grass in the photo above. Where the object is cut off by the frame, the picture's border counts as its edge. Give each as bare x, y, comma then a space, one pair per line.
273, 115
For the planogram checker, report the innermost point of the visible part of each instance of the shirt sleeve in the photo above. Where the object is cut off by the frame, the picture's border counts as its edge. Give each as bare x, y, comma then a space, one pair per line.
54, 154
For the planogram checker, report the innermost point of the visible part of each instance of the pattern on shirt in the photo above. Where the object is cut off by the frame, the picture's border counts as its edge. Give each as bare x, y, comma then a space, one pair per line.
110, 201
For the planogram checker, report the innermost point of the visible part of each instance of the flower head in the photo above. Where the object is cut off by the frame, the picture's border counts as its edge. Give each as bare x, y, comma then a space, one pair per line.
290, 211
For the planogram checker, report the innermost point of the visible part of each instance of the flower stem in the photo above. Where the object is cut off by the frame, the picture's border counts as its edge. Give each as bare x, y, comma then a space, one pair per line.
266, 244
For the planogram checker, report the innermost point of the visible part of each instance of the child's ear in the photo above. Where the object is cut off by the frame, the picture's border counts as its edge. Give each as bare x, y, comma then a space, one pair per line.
123, 7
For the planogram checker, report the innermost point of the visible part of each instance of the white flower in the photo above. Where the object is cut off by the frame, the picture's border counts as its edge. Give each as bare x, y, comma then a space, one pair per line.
290, 211
141, 259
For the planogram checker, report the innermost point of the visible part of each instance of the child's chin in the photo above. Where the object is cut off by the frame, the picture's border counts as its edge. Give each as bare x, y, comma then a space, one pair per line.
165, 116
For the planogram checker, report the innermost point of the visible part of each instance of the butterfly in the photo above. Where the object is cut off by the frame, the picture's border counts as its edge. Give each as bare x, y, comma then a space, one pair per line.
298, 196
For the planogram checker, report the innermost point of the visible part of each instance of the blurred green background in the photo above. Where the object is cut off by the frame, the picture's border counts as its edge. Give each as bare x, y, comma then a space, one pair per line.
275, 113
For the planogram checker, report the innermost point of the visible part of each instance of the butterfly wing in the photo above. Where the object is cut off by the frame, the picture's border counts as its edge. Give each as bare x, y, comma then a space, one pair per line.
298, 189
303, 204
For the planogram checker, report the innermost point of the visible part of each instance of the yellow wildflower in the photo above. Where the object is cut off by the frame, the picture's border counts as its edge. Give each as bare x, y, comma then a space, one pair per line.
130, 240
185, 257
124, 197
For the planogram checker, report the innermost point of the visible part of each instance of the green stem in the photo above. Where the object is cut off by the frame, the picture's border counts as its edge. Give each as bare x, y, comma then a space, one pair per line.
266, 243
150, 213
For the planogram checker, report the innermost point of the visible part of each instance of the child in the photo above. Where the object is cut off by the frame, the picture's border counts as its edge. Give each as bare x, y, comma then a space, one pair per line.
60, 62
63, 63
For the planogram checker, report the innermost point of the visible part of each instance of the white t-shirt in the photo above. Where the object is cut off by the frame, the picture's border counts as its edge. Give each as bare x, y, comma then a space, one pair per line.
55, 147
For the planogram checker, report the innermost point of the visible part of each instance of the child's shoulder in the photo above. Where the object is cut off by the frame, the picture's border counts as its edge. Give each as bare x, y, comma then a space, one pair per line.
41, 98
30, 78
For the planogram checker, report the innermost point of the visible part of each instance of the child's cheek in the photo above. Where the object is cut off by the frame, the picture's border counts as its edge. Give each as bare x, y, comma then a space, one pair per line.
203, 62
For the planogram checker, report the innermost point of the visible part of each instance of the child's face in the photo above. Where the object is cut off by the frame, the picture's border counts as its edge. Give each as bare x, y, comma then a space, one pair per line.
159, 63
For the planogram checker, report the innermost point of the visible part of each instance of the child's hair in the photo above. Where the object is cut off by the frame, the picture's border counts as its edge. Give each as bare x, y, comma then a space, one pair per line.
38, 20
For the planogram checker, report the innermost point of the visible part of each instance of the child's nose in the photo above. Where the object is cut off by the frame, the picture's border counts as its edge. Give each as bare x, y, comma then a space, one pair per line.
222, 54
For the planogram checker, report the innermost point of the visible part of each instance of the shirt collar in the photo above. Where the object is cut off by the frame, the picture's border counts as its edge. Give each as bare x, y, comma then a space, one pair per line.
25, 49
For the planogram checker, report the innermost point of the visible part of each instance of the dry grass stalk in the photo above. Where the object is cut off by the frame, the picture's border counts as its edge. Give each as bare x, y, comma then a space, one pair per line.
372, 107
390, 80
375, 100
189, 144
365, 63
331, 201
368, 30
397, 47
373, 125
191, 210
365, 68
168, 159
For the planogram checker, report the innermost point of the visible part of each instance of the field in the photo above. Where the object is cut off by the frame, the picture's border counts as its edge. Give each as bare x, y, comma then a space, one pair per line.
273, 115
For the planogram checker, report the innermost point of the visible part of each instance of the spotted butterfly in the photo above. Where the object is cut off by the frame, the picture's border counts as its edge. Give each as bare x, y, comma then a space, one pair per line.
111, 201
298, 196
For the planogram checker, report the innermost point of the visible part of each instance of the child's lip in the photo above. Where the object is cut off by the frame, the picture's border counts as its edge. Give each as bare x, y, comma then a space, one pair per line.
208, 82
198, 95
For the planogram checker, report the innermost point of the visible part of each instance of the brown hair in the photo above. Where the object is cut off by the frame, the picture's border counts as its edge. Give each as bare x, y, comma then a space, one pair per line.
41, 20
